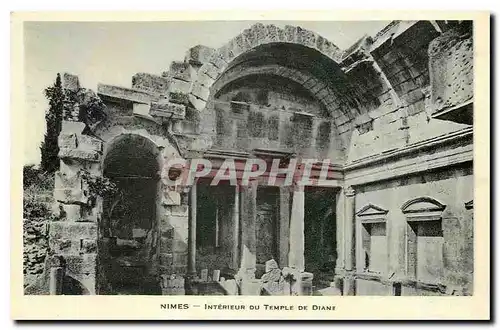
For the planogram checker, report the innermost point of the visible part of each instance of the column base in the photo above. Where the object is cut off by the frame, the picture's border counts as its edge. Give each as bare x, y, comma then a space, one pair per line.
349, 285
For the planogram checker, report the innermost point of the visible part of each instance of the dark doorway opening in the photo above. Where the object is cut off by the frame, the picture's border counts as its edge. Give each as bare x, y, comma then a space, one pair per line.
267, 235
320, 246
128, 250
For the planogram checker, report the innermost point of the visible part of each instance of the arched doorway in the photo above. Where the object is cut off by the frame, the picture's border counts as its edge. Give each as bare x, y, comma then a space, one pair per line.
128, 248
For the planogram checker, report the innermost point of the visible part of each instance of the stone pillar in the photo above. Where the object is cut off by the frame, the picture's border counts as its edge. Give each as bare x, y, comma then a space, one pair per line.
191, 268
236, 228
349, 220
296, 253
284, 226
340, 209
248, 238
56, 276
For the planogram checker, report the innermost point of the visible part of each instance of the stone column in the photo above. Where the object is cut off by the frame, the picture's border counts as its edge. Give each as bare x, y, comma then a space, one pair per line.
284, 226
248, 238
236, 228
191, 267
296, 252
56, 276
349, 220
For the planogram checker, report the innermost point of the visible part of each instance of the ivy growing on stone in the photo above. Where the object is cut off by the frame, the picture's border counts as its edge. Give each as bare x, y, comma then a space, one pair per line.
98, 185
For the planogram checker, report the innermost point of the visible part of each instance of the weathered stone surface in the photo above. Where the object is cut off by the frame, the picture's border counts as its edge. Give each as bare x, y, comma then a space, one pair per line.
72, 127
270, 265
89, 143
67, 141
179, 86
81, 264
122, 93
451, 69
70, 195
272, 276
199, 54
200, 91
150, 82
168, 110
231, 287
275, 288
180, 70
70, 81
73, 230
171, 198
180, 98
91, 156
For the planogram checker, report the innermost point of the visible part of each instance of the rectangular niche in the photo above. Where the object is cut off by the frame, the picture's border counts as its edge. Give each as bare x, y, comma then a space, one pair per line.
373, 255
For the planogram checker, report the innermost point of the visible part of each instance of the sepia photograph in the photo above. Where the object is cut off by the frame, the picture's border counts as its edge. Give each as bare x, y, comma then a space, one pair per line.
252, 158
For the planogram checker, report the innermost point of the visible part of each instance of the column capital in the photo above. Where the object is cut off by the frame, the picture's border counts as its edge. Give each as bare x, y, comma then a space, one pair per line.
349, 191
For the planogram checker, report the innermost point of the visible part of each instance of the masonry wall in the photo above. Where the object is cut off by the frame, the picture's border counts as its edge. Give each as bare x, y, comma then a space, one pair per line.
282, 116
452, 187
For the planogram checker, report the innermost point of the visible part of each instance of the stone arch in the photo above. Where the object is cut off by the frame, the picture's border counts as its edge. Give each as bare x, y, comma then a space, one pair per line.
130, 218
71, 286
318, 89
251, 38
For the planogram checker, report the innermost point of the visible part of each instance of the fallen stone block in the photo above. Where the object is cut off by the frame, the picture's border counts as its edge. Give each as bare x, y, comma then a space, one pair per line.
270, 265
272, 276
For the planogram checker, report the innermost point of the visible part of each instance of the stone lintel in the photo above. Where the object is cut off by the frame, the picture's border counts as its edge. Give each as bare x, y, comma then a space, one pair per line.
78, 154
125, 94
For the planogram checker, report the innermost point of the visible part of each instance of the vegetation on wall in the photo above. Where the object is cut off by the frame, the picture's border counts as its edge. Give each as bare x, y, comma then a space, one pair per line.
37, 200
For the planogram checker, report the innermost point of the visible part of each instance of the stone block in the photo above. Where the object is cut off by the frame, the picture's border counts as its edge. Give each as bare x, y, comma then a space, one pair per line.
274, 288
88, 246
171, 198
166, 245
67, 141
74, 195
204, 275
166, 260
76, 154
200, 91
216, 275
150, 82
210, 70
81, 264
270, 265
141, 109
73, 230
62, 180
180, 259
70, 82
196, 102
89, 143
168, 110
179, 212
271, 276
180, 70
67, 212
127, 94
251, 287
180, 98
199, 54
72, 127
60, 246
179, 86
